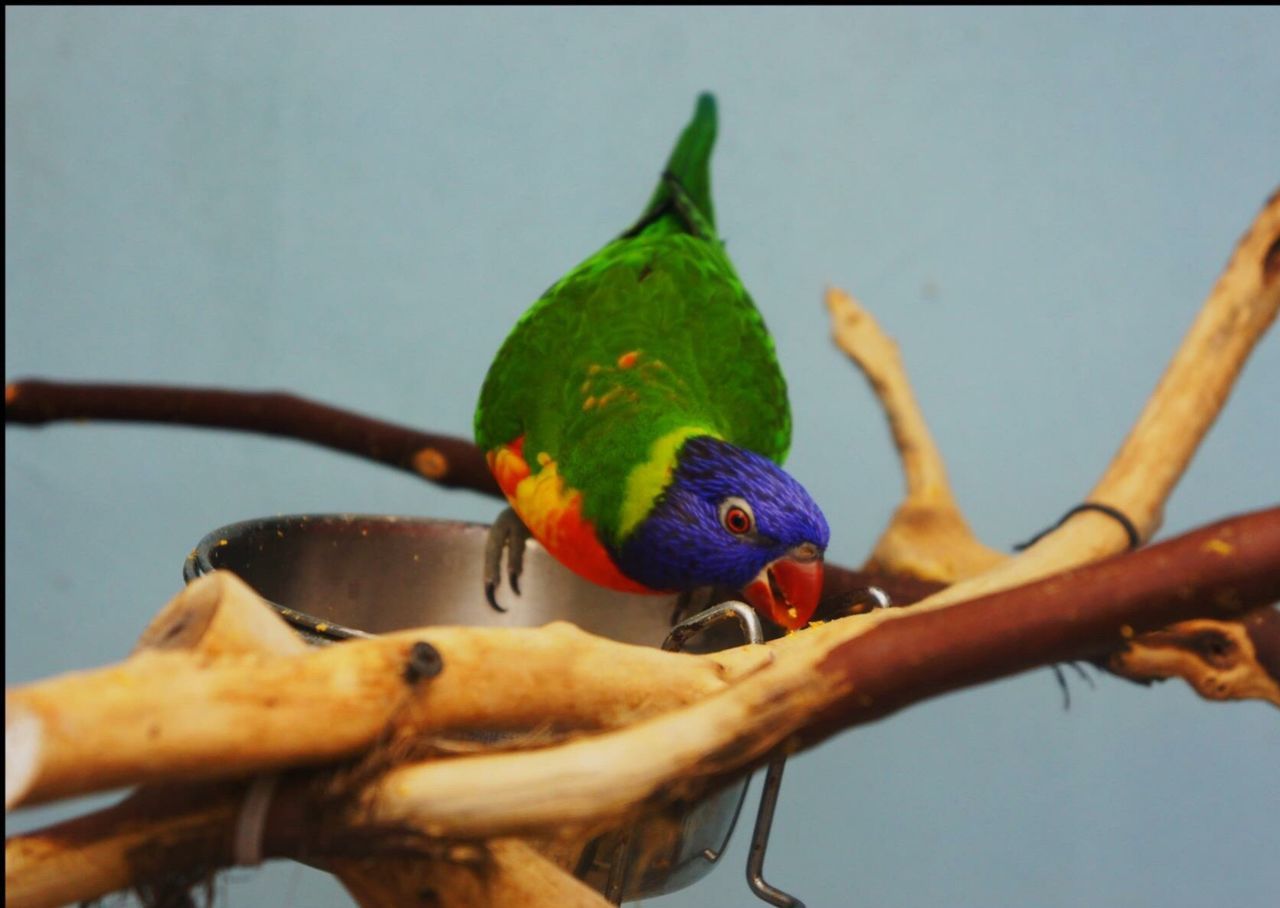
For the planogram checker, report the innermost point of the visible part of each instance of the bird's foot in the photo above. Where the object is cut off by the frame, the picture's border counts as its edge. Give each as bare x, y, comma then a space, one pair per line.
510, 534
1062, 680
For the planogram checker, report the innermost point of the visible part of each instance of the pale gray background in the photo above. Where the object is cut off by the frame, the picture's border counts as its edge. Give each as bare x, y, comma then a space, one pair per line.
357, 205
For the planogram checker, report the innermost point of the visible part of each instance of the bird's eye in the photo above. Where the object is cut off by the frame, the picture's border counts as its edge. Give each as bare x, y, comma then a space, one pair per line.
736, 516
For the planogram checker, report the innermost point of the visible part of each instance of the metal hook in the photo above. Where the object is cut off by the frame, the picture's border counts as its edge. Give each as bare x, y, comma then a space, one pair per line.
747, 618
752, 630
760, 840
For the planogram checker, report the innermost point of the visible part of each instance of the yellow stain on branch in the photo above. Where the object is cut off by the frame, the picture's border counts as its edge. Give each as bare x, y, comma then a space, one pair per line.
1219, 547
431, 463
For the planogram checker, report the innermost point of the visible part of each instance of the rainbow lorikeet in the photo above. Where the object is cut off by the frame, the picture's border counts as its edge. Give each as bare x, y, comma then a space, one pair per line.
636, 417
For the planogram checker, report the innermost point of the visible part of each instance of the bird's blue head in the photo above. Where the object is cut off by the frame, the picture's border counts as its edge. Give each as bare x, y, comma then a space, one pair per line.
732, 517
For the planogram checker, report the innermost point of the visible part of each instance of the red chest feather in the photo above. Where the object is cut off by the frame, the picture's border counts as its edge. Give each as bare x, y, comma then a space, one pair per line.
553, 514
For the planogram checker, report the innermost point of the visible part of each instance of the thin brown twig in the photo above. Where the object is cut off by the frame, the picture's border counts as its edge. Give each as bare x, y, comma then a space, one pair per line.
442, 459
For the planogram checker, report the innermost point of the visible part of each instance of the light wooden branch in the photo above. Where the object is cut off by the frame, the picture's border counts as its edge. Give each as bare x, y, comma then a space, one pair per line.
1187, 400
928, 536
1222, 660
215, 617
223, 711
219, 615
176, 836
108, 850
164, 713
163, 831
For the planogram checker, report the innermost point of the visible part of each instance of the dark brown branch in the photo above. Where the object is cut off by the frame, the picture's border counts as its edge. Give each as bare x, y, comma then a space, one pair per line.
1222, 571
1263, 628
442, 459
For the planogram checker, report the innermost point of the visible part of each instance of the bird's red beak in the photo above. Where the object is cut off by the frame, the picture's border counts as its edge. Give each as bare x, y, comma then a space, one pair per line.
787, 590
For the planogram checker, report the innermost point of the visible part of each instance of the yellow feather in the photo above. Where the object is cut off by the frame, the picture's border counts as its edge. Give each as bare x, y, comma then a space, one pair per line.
646, 481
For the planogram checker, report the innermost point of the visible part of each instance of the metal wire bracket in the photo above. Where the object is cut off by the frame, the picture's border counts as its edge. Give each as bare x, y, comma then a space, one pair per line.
760, 840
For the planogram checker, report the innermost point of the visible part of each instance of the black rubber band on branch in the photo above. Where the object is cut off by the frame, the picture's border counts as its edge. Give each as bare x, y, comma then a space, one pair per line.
1116, 514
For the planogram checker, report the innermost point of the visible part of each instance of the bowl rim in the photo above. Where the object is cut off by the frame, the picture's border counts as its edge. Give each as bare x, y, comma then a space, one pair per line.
199, 561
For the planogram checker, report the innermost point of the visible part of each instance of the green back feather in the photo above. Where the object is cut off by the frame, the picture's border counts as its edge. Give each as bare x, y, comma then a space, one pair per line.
666, 289
690, 165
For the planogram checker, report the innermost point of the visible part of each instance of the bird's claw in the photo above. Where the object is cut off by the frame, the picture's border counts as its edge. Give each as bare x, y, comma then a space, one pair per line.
1061, 677
509, 534
490, 593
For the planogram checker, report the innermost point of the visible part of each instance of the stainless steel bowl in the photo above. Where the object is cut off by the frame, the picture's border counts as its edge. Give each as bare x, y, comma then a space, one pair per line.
338, 576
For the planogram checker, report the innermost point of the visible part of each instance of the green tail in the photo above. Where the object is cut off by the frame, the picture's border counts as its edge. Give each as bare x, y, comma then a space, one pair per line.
689, 169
